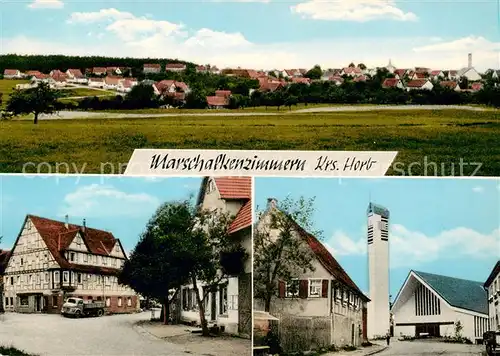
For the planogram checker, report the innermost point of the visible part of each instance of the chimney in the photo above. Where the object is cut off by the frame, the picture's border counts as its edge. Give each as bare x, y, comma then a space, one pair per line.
84, 225
271, 203
66, 221
470, 61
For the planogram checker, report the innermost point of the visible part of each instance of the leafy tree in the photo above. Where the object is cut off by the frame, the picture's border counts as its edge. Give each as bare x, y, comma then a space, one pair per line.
361, 66
39, 100
157, 264
278, 253
291, 100
314, 73
352, 65
141, 95
196, 99
207, 243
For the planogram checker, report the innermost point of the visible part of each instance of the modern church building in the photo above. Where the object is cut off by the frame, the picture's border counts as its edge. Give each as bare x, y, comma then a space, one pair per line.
378, 271
433, 305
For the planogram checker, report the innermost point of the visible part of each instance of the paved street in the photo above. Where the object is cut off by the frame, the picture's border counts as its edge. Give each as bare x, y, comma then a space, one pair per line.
430, 348
53, 335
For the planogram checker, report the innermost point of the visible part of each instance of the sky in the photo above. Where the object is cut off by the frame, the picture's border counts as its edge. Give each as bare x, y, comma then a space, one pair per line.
261, 34
121, 205
443, 226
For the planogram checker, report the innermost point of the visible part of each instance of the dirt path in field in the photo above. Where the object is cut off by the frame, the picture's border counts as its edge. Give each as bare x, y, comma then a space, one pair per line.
99, 115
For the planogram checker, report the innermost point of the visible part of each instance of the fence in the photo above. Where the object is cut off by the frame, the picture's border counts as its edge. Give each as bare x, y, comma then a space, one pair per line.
303, 333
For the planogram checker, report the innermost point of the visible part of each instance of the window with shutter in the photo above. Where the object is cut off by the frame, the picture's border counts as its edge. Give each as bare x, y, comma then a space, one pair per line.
292, 288
324, 288
303, 288
281, 289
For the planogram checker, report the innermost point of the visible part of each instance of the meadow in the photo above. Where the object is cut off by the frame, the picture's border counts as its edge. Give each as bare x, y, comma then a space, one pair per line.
439, 138
7, 86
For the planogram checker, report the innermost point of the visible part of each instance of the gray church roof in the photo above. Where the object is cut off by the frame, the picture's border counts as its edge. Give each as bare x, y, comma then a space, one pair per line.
459, 293
378, 209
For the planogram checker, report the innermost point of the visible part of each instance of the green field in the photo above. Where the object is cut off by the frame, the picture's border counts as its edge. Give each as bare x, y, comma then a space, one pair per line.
7, 86
441, 137
85, 92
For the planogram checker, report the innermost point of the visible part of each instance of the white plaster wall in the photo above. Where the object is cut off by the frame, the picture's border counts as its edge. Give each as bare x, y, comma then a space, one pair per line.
378, 272
229, 320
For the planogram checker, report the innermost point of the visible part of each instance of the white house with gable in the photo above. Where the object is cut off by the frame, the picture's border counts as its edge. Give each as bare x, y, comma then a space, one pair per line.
433, 305
327, 293
230, 305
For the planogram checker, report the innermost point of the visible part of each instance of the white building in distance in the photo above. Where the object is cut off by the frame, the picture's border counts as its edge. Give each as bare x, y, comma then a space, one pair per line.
432, 305
378, 271
492, 285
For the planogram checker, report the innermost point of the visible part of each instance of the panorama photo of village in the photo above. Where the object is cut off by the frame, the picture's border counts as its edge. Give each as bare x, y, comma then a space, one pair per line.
138, 80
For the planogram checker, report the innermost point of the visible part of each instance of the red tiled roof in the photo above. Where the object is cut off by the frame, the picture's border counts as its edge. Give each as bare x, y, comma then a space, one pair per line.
112, 80
419, 75
400, 72
10, 72
449, 84
57, 238
301, 80
243, 219
477, 86
201, 68
98, 70
223, 93
234, 187
33, 72
59, 76
435, 72
217, 101
336, 78
97, 80
164, 85
390, 83
181, 85
41, 76
152, 65
175, 65
77, 73
417, 83
361, 78
327, 260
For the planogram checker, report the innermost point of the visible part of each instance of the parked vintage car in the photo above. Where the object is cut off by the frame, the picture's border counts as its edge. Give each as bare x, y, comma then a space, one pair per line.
77, 307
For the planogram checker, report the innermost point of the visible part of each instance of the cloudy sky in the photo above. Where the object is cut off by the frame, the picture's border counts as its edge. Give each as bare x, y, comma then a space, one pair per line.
120, 205
261, 34
442, 226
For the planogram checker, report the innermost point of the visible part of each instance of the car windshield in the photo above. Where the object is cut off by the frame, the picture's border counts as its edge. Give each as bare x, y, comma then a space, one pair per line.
71, 300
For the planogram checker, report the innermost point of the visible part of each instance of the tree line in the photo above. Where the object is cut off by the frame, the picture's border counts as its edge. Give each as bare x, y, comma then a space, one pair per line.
46, 63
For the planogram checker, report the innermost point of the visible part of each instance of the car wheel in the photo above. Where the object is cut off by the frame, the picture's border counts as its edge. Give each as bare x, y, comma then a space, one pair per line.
100, 312
78, 314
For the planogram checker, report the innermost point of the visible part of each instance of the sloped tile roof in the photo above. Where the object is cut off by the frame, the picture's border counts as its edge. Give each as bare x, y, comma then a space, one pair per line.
217, 101
58, 238
328, 261
459, 293
390, 83
234, 187
243, 219
417, 83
